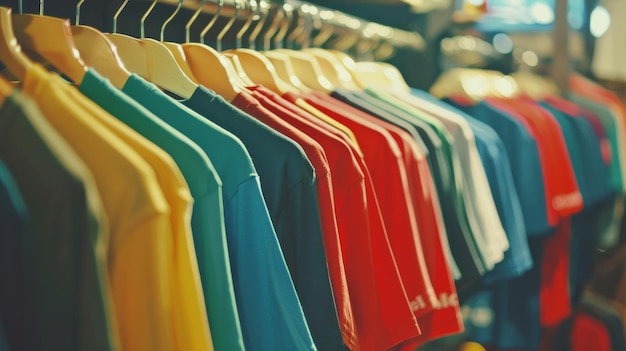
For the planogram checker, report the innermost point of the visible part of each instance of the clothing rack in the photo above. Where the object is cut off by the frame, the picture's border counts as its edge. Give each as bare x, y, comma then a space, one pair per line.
331, 20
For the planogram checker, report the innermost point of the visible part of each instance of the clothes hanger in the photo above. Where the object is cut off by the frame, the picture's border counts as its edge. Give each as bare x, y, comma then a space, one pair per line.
50, 39
474, 84
534, 85
258, 67
330, 63
163, 70
308, 70
98, 52
238, 44
284, 68
129, 49
11, 53
222, 77
175, 48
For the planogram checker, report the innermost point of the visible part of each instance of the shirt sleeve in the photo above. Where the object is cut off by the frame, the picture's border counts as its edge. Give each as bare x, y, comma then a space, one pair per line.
269, 309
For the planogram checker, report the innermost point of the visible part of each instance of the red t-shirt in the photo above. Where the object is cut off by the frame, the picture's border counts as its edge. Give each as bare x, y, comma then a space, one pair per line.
562, 194
554, 297
334, 256
380, 305
385, 163
446, 318
589, 333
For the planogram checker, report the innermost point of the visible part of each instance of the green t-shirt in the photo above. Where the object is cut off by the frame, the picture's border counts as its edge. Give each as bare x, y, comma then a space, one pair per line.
207, 218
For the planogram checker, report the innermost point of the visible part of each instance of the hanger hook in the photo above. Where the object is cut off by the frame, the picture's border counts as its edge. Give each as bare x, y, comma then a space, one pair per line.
192, 20
142, 22
169, 19
273, 28
117, 14
263, 10
220, 5
285, 22
228, 25
78, 5
253, 9
297, 31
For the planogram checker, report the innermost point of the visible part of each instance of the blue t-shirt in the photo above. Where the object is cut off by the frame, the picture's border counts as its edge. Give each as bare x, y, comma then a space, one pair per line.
269, 309
523, 155
493, 155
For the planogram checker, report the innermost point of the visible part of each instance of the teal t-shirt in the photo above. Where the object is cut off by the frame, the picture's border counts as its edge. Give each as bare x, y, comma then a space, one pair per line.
207, 219
269, 309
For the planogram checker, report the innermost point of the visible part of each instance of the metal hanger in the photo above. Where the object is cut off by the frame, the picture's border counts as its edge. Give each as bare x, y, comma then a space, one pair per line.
98, 52
263, 13
193, 19
220, 5
50, 39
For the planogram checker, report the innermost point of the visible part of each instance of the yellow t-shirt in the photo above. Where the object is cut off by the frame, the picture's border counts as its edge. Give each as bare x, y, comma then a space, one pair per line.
190, 321
137, 211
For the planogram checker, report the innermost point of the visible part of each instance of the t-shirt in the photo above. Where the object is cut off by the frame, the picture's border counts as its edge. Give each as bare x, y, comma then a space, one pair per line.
207, 217
263, 287
562, 190
289, 188
585, 150
609, 231
381, 308
523, 154
139, 219
445, 319
517, 259
492, 240
462, 243
389, 175
433, 324
191, 326
328, 211
55, 289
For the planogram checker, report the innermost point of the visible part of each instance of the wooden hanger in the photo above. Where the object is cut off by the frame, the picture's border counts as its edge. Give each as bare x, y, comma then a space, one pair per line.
151, 60
175, 49
98, 52
380, 74
222, 77
331, 66
11, 53
534, 85
258, 67
241, 73
163, 70
50, 39
285, 70
129, 49
308, 70
474, 84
